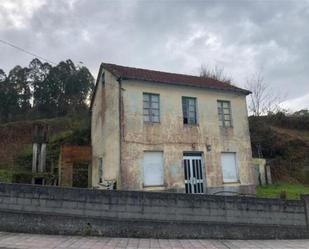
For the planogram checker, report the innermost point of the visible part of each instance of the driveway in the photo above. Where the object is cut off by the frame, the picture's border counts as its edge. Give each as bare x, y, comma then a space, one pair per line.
27, 241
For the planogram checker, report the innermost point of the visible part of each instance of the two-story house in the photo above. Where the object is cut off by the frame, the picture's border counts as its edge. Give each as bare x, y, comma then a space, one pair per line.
162, 131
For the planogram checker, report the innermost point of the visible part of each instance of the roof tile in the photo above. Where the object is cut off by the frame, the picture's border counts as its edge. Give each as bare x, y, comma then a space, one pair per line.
170, 78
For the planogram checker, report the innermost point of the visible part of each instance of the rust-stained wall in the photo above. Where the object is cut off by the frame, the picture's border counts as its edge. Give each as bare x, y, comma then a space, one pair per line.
170, 135
68, 155
105, 137
174, 138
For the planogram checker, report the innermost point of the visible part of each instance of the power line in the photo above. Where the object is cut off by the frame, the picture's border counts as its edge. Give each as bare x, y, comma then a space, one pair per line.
26, 51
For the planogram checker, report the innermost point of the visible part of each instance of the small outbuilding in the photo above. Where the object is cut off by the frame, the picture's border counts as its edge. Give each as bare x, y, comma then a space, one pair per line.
74, 166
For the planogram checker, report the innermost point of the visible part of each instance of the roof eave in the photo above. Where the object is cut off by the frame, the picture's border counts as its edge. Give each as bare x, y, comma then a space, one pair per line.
237, 90
95, 88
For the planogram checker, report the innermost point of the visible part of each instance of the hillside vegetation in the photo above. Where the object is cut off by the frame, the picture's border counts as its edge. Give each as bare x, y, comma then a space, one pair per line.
284, 142
16, 144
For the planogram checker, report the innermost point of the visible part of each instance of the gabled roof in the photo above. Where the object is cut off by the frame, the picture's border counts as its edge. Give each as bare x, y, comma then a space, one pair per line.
132, 73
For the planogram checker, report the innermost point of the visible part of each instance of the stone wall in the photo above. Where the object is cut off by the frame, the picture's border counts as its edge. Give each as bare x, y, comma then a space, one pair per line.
37, 209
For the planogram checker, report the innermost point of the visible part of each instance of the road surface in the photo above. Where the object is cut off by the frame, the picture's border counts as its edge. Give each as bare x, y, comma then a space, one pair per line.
27, 241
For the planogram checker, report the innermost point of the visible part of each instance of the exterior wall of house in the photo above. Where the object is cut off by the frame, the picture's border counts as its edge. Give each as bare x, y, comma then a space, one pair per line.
105, 136
174, 138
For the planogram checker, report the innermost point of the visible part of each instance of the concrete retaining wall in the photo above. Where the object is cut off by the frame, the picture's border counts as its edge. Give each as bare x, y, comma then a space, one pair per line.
27, 208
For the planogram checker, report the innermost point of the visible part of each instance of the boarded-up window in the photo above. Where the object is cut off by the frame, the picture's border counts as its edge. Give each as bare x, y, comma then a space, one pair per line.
189, 110
229, 167
224, 113
151, 107
153, 168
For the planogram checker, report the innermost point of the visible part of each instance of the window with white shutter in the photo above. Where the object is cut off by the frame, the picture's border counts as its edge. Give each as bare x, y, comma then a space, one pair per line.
229, 167
153, 168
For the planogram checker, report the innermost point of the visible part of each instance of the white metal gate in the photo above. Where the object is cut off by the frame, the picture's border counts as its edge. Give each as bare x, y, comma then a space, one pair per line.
193, 174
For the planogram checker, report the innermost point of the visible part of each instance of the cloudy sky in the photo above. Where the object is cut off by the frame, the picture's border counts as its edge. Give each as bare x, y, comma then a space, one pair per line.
243, 37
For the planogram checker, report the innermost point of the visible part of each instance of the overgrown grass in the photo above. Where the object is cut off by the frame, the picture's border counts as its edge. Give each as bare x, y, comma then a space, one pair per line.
5, 176
293, 191
21, 176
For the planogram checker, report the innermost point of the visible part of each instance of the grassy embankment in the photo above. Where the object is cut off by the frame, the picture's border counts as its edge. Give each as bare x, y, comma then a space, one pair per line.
292, 191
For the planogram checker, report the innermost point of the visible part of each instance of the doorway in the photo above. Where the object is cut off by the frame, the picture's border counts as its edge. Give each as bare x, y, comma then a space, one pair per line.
80, 174
193, 172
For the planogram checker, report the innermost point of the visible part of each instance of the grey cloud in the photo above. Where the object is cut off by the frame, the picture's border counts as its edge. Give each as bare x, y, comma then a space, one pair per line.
242, 36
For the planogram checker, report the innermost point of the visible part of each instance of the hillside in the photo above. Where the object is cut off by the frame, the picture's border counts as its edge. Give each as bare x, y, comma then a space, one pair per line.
284, 142
16, 143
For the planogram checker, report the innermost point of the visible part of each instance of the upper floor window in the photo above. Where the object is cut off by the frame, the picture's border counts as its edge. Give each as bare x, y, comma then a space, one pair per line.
151, 107
189, 110
224, 113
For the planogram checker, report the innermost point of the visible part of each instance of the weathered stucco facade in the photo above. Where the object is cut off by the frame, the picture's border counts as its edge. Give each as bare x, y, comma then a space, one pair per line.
105, 129
120, 136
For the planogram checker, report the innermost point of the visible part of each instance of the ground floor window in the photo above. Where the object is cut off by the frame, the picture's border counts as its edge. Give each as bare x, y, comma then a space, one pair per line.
153, 168
229, 167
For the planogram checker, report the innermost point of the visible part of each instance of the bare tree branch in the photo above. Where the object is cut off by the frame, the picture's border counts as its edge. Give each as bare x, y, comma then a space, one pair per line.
216, 73
263, 100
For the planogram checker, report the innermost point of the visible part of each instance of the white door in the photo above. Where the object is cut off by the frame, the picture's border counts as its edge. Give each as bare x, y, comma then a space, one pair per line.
193, 172
153, 168
229, 167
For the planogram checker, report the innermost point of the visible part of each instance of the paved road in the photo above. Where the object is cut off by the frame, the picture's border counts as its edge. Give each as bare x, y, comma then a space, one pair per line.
27, 241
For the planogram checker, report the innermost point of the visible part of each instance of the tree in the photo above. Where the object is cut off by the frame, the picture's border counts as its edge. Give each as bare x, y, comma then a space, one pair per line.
37, 75
2, 76
216, 73
8, 99
41, 90
302, 113
263, 99
2, 95
78, 87
66, 89
19, 80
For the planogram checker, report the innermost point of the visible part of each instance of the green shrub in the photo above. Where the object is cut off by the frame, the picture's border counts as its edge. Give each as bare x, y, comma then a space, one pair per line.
5, 176
22, 177
23, 161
